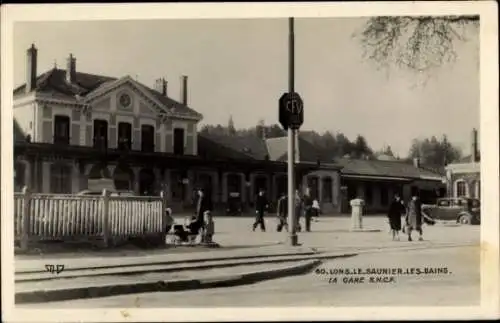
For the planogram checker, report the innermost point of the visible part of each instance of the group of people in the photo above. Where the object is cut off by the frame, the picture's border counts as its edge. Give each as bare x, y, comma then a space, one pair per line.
412, 214
200, 224
305, 205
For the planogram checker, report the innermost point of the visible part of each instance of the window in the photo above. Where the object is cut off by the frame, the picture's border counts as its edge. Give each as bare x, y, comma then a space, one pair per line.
461, 188
19, 176
312, 184
60, 179
368, 193
327, 190
124, 136
352, 191
260, 183
179, 141
100, 134
476, 191
384, 195
147, 138
443, 203
61, 130
234, 183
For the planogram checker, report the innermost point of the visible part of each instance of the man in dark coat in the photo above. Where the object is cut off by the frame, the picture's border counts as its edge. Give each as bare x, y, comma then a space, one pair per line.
396, 210
307, 201
414, 218
282, 212
261, 205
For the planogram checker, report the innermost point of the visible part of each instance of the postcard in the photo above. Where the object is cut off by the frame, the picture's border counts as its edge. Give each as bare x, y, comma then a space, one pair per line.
250, 161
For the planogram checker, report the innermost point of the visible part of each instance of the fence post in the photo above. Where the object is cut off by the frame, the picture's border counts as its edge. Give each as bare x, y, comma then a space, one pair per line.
105, 218
25, 235
164, 217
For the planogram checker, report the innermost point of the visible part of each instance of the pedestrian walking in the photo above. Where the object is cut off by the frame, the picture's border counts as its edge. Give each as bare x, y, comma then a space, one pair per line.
261, 205
282, 213
414, 218
299, 208
396, 210
316, 209
308, 211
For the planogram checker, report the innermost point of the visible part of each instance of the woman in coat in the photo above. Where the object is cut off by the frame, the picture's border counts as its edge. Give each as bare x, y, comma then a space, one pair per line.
396, 210
414, 218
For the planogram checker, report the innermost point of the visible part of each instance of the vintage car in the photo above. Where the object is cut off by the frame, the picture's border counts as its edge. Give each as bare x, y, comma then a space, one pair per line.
462, 210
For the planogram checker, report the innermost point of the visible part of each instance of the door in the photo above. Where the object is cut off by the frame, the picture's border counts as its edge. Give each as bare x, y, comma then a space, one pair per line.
179, 141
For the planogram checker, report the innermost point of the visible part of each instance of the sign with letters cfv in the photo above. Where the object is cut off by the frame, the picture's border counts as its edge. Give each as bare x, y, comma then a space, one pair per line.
291, 111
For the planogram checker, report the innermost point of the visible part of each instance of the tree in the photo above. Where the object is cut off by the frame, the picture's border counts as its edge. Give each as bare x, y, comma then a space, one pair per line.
230, 126
360, 148
434, 152
388, 151
417, 43
261, 129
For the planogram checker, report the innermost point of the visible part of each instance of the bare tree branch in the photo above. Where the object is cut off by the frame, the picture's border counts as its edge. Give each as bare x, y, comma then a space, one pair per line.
418, 43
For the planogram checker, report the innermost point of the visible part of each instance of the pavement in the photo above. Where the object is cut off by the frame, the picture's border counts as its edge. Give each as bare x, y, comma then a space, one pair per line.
459, 287
331, 238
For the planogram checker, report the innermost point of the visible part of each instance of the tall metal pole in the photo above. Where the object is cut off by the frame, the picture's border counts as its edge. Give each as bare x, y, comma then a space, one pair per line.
293, 240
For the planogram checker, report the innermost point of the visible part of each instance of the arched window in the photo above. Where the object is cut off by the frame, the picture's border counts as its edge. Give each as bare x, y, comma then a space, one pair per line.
460, 188
313, 185
60, 179
123, 178
327, 189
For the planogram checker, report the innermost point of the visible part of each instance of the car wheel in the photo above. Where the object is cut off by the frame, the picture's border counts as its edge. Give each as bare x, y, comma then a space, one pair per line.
465, 219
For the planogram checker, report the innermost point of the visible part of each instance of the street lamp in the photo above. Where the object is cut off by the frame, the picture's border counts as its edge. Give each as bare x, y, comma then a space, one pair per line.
293, 239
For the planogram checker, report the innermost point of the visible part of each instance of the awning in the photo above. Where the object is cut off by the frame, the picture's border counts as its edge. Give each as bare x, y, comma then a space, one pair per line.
377, 178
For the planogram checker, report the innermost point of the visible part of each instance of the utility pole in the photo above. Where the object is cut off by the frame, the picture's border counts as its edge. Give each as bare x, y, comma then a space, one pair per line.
293, 239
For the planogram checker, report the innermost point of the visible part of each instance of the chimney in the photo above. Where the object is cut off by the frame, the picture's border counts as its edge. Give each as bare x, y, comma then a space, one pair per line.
184, 90
71, 69
475, 150
164, 87
31, 62
416, 162
161, 86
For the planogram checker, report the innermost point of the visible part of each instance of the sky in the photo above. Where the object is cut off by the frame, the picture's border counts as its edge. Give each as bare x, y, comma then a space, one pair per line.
239, 68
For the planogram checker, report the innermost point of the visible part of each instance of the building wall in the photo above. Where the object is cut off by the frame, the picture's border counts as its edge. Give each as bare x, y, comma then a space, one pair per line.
379, 190
327, 206
25, 117
107, 108
467, 173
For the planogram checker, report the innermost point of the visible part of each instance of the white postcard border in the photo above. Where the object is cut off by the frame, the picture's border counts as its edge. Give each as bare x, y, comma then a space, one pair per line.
487, 10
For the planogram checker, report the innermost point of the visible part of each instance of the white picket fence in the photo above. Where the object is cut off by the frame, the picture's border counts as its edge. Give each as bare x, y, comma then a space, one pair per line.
75, 217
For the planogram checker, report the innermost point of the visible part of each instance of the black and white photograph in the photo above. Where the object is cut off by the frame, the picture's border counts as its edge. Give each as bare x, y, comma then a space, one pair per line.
219, 162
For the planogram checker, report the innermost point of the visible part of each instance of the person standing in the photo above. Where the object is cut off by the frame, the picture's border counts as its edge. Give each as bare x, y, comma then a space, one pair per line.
316, 209
307, 205
396, 210
414, 218
299, 208
261, 205
282, 213
203, 204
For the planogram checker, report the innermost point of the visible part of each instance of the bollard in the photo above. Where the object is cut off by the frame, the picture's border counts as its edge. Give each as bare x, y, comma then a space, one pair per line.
357, 206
